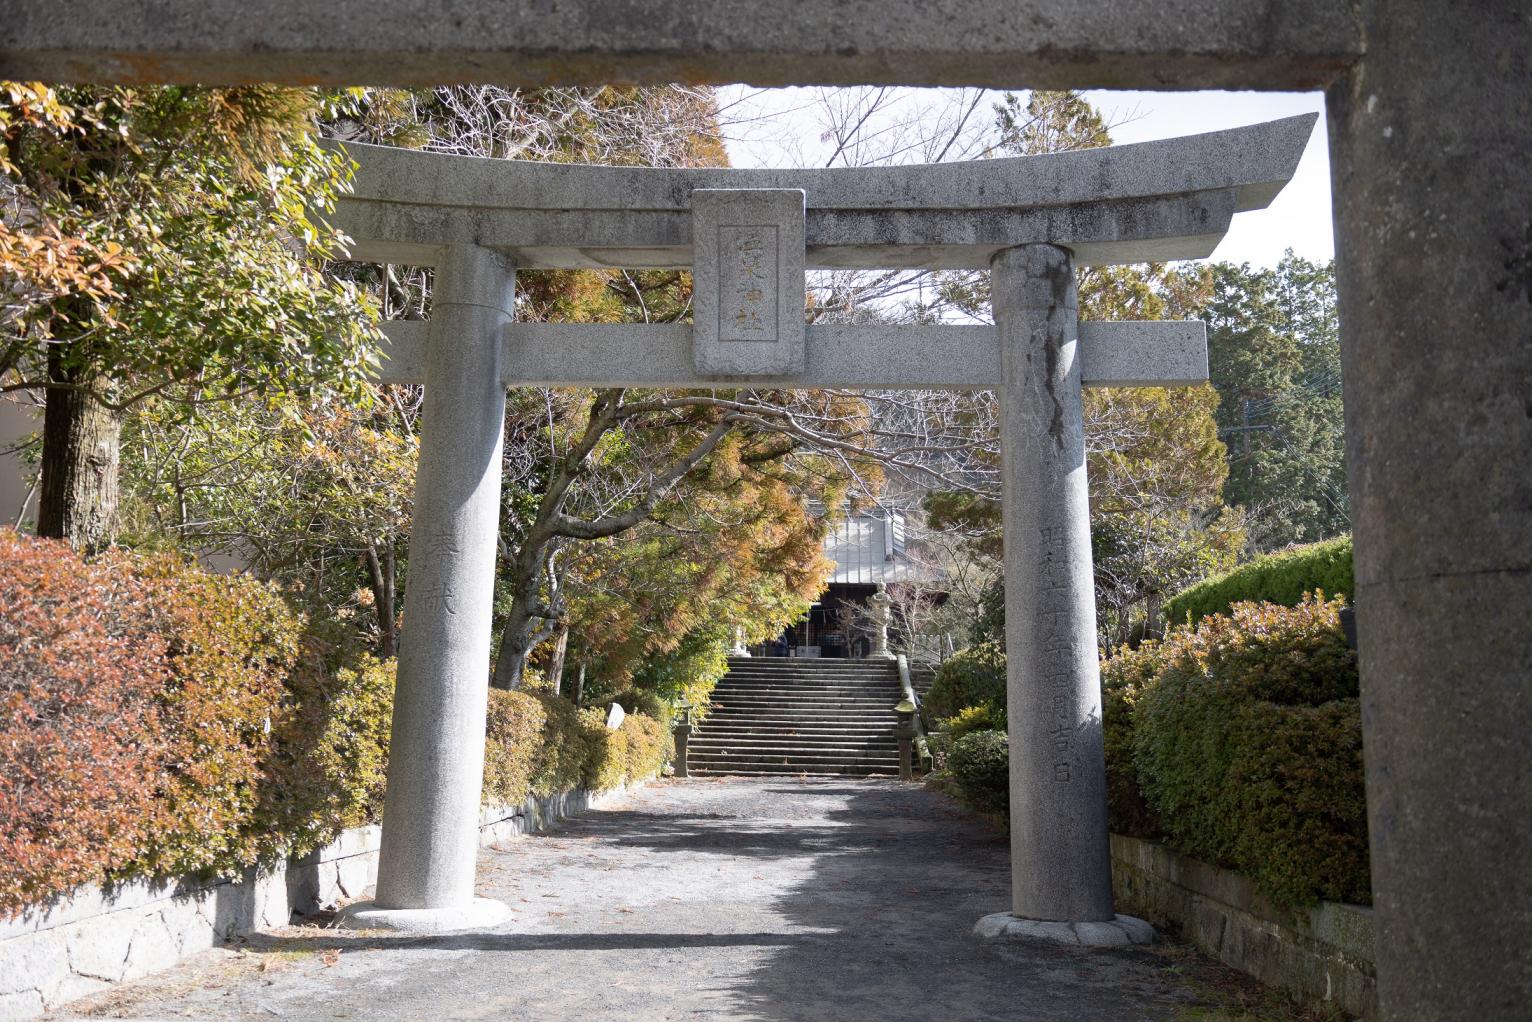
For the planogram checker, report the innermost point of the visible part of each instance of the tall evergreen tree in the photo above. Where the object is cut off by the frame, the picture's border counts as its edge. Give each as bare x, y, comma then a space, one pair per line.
1274, 357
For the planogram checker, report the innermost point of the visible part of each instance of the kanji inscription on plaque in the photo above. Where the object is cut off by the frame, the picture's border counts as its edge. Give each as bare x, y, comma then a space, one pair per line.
748, 256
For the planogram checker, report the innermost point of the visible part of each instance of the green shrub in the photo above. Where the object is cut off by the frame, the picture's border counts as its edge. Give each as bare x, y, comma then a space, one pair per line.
637, 700
1283, 578
974, 677
1124, 676
232, 642
331, 756
649, 746
565, 750
980, 766
513, 744
1247, 748
985, 717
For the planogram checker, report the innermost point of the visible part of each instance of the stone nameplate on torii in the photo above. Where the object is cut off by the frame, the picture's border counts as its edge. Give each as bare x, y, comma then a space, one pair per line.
748, 281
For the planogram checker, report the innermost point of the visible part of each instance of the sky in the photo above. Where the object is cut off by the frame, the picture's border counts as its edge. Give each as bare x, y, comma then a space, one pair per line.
778, 128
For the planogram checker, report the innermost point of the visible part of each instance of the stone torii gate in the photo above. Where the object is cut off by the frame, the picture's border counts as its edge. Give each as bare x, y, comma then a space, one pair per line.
749, 236
1430, 121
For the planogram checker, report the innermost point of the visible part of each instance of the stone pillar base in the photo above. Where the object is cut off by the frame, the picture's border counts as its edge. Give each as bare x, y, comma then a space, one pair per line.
1120, 932
479, 914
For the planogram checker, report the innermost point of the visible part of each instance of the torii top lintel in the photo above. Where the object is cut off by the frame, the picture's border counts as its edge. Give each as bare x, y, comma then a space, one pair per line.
1151, 201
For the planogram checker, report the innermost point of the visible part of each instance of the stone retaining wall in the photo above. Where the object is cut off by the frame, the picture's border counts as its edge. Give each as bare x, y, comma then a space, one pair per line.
1324, 956
98, 936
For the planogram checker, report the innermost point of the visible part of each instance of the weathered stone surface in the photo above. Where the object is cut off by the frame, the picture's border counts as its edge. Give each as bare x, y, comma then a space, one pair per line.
98, 948
153, 946
20, 1007
1153, 354
1298, 44
1060, 860
1429, 139
1122, 931
1323, 956
436, 755
478, 914
1167, 199
748, 281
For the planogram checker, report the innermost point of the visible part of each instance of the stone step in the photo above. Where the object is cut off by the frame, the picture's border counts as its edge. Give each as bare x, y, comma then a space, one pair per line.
822, 702
778, 686
844, 766
855, 677
736, 726
810, 663
787, 771
885, 721
788, 727
770, 754
869, 741
852, 683
796, 756
788, 716
845, 769
812, 685
809, 678
809, 695
881, 708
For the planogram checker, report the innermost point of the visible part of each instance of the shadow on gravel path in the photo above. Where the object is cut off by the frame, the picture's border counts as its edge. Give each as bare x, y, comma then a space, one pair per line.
734, 898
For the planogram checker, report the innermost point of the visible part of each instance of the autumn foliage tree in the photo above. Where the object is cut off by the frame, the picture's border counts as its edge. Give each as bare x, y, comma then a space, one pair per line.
181, 219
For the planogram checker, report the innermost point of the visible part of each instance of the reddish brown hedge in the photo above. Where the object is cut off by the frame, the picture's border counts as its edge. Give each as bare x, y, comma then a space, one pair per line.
156, 719
82, 733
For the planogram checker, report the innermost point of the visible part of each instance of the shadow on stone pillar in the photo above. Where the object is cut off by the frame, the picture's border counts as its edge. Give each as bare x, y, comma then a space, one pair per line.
1061, 869
436, 755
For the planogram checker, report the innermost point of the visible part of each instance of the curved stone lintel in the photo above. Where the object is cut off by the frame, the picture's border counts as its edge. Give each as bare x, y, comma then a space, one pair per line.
1165, 199
1123, 931
1256, 159
479, 914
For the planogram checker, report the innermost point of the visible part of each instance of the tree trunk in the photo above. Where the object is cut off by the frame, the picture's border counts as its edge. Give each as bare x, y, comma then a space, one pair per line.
81, 446
517, 639
1152, 628
556, 663
381, 573
578, 695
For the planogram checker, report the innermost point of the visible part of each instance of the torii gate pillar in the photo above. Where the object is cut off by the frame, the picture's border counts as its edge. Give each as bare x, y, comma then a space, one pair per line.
1061, 868
436, 752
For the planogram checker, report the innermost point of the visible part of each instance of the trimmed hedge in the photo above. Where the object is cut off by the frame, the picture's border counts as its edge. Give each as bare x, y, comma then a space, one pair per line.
82, 734
1124, 677
1283, 578
985, 717
974, 677
1246, 738
980, 764
1239, 742
537, 743
157, 720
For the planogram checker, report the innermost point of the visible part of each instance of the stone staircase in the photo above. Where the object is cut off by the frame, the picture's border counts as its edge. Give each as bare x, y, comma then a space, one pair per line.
779, 715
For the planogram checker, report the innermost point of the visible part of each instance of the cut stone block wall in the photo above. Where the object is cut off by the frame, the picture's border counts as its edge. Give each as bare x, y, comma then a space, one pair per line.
1324, 956
97, 936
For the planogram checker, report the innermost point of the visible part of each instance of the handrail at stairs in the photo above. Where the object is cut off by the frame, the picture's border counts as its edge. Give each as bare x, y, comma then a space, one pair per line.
919, 732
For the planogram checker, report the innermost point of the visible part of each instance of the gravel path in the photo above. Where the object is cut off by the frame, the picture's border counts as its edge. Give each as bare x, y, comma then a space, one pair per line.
736, 898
